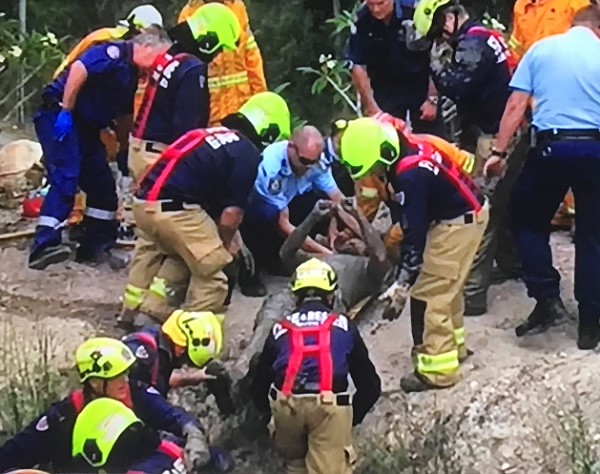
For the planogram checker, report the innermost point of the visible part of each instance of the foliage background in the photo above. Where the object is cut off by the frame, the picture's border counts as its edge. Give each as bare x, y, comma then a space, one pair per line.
291, 34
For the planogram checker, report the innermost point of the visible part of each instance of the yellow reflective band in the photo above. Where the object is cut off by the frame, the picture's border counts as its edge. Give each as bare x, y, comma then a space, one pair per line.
469, 163
251, 43
133, 296
459, 336
159, 287
228, 80
446, 363
514, 43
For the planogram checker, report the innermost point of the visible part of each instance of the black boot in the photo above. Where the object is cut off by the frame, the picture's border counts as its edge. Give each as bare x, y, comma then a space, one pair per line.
589, 336
547, 313
500, 276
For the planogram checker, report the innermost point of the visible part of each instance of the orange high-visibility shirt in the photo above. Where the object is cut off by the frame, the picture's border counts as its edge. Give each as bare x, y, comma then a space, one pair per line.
233, 76
537, 19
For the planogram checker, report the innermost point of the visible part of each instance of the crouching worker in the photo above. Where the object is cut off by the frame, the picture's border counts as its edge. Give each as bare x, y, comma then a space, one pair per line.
186, 338
103, 365
109, 437
302, 374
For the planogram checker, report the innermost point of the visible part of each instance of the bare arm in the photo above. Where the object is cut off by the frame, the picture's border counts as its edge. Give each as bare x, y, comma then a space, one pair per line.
362, 83
180, 378
511, 119
337, 196
77, 77
230, 221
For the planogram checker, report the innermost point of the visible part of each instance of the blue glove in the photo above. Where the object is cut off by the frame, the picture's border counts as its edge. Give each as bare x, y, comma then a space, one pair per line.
221, 460
63, 125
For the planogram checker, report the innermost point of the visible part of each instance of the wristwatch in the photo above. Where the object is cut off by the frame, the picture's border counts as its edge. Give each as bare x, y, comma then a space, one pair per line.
501, 154
433, 100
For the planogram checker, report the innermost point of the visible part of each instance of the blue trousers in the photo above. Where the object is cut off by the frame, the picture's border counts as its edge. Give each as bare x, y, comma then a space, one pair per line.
547, 175
78, 160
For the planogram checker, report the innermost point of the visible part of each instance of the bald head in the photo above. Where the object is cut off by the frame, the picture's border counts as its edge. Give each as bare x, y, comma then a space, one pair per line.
309, 141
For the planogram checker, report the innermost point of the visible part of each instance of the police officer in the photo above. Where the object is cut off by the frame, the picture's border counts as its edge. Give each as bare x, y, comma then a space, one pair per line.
302, 373
83, 100
102, 365
110, 437
475, 76
444, 216
566, 152
206, 172
185, 338
176, 100
288, 170
391, 72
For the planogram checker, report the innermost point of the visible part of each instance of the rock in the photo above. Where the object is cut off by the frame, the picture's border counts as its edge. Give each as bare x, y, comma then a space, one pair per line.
16, 159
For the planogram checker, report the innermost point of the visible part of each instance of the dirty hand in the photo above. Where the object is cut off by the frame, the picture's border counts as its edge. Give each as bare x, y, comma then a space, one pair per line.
347, 206
395, 297
247, 259
200, 375
494, 166
441, 56
63, 125
220, 386
428, 111
323, 208
197, 452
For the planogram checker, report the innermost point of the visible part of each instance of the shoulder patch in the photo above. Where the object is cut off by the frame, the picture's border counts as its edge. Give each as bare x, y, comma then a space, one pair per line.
113, 51
42, 424
141, 352
274, 185
152, 390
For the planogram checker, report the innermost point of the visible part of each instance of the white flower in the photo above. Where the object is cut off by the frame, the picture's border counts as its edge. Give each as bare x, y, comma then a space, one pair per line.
331, 63
323, 59
15, 51
52, 38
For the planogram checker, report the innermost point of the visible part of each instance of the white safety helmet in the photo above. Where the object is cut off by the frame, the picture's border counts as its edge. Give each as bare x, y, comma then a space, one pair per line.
142, 17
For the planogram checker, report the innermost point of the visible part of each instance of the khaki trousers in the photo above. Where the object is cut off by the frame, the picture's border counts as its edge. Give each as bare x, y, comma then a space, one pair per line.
437, 307
190, 245
312, 436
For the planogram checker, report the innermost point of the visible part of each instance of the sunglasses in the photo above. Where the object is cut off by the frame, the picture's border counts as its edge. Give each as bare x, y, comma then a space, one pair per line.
303, 159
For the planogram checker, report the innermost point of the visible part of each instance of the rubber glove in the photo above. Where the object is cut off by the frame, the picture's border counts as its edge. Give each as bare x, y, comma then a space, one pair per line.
63, 125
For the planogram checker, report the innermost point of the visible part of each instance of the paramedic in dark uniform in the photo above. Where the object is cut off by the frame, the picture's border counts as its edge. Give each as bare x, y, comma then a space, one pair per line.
388, 72
302, 375
176, 100
190, 203
560, 73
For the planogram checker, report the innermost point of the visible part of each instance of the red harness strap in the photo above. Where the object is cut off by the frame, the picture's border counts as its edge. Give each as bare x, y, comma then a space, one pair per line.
300, 351
170, 449
77, 401
432, 158
147, 339
161, 71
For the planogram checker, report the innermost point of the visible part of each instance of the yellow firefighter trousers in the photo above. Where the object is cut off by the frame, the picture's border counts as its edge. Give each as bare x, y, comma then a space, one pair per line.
312, 436
447, 260
189, 241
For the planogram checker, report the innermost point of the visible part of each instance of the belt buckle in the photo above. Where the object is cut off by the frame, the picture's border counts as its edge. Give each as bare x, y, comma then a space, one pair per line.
327, 398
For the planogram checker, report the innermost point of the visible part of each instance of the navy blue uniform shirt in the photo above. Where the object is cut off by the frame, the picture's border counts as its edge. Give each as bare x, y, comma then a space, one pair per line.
181, 104
110, 86
477, 78
218, 174
48, 438
348, 353
399, 77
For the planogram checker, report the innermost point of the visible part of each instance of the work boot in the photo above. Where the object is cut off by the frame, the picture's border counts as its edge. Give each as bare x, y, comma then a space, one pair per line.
413, 383
589, 337
143, 320
466, 355
252, 285
500, 276
547, 313
116, 259
476, 305
42, 257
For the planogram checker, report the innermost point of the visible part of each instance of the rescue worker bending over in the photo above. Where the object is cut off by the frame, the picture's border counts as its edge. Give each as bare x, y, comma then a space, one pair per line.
110, 437
175, 101
302, 374
443, 218
236, 75
83, 100
207, 172
193, 339
102, 365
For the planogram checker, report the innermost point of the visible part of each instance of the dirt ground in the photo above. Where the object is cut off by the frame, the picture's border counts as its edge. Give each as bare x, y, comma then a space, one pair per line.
501, 411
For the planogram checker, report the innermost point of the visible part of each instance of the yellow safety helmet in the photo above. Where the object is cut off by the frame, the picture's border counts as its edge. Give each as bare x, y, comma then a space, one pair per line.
142, 16
364, 143
423, 17
102, 357
98, 428
269, 115
214, 27
199, 332
314, 276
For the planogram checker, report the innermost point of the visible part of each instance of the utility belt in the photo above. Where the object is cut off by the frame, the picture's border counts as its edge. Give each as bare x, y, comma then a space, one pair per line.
538, 137
326, 398
168, 205
149, 146
468, 217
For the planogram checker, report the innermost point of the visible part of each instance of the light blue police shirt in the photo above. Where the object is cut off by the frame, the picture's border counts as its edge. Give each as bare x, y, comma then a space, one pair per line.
277, 184
562, 74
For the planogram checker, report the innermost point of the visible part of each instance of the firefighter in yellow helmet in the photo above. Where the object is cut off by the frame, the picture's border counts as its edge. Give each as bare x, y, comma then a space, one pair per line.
302, 377
234, 76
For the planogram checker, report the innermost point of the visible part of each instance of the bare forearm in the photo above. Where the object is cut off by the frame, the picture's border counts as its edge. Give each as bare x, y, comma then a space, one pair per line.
230, 221
511, 119
296, 238
362, 83
180, 379
77, 77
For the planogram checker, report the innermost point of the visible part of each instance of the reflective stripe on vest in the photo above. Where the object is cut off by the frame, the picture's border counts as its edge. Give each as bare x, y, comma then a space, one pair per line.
431, 159
227, 80
446, 363
162, 69
299, 351
148, 339
498, 44
170, 449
